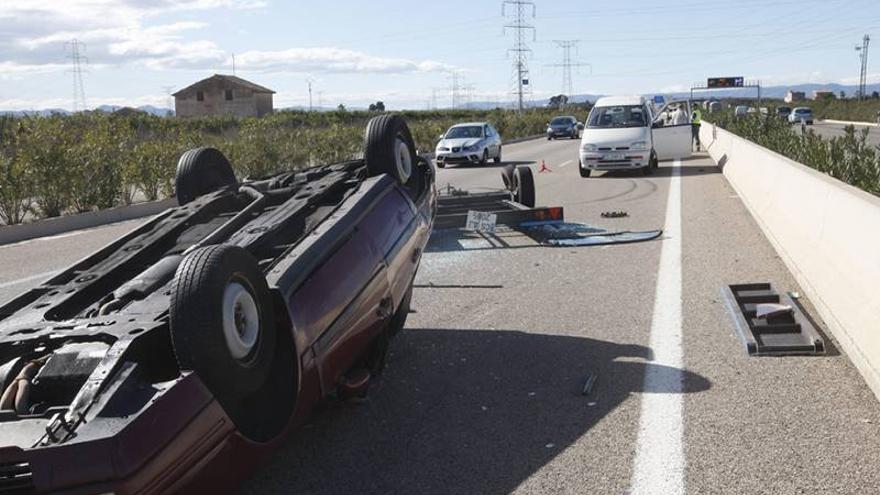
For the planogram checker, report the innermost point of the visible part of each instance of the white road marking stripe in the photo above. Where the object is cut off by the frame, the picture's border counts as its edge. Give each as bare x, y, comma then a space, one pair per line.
38, 276
659, 465
565, 163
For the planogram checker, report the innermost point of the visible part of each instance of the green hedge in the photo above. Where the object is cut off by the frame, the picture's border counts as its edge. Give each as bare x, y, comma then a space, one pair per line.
849, 158
50, 166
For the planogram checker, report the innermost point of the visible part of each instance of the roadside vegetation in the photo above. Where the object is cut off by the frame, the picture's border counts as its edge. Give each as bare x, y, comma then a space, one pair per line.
849, 158
50, 166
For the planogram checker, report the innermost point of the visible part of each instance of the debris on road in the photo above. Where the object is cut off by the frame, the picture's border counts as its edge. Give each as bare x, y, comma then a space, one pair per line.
770, 323
614, 214
579, 234
588, 384
771, 310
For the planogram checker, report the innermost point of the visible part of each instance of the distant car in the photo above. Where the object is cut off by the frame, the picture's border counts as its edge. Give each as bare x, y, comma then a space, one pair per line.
801, 114
714, 106
783, 112
473, 142
566, 126
740, 111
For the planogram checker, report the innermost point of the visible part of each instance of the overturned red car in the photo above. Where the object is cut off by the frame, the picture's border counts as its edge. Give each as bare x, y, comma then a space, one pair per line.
174, 358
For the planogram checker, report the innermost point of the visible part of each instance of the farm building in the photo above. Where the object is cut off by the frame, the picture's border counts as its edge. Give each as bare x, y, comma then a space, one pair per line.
223, 95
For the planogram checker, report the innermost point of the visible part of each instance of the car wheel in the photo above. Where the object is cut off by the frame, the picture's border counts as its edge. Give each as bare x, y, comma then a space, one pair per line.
648, 170
201, 171
525, 186
389, 148
653, 161
441, 164
222, 323
585, 172
498, 156
485, 158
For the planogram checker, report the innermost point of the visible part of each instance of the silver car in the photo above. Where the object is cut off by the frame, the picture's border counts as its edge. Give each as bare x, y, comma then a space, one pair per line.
472, 142
801, 115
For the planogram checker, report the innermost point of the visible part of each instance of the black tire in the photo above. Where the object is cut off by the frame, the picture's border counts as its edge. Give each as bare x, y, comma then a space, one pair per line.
441, 164
201, 171
498, 156
654, 162
389, 148
508, 178
549, 138
585, 172
485, 158
648, 170
218, 294
525, 186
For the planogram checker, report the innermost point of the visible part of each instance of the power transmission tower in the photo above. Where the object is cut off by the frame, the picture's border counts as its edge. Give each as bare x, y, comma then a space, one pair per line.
520, 50
458, 89
863, 74
567, 64
167, 90
309, 81
77, 59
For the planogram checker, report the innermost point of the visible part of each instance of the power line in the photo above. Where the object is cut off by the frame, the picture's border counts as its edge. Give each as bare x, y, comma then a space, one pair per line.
77, 60
567, 64
459, 91
520, 50
863, 74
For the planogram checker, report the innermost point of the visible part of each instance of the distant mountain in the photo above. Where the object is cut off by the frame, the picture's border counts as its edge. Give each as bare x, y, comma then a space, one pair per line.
158, 111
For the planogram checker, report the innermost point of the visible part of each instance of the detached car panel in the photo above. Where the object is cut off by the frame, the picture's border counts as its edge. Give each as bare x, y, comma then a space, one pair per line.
178, 356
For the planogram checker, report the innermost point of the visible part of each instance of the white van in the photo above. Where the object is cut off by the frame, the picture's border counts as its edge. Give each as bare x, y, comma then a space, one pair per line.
623, 133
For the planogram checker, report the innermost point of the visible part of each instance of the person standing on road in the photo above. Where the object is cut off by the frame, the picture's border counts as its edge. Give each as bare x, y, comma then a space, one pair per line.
696, 117
679, 116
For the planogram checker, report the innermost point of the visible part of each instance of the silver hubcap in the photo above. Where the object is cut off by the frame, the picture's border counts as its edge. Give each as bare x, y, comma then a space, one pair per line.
403, 159
241, 320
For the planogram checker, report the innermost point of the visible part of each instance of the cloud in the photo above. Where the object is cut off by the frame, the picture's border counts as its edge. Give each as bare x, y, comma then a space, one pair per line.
115, 32
332, 60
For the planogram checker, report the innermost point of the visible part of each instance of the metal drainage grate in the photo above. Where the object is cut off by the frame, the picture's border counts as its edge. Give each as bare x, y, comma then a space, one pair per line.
783, 332
16, 478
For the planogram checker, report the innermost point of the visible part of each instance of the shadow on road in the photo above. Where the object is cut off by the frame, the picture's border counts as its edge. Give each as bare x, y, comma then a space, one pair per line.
665, 170
462, 411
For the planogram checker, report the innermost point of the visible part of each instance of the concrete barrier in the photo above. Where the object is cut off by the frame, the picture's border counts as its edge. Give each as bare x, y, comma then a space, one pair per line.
827, 232
69, 223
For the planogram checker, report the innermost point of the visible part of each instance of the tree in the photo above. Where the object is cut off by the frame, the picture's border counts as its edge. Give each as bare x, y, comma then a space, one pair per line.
842, 95
377, 107
558, 101
875, 96
341, 108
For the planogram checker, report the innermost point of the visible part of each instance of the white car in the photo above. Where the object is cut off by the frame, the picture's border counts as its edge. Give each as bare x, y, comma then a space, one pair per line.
473, 142
622, 133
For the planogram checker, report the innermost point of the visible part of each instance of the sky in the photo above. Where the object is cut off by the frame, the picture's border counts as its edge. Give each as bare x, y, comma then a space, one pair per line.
405, 52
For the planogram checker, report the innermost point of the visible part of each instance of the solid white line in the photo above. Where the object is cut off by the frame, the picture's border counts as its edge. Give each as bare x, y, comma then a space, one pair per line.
38, 276
565, 163
659, 465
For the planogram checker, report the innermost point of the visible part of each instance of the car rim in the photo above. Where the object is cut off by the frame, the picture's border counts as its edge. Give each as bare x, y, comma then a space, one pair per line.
403, 159
241, 320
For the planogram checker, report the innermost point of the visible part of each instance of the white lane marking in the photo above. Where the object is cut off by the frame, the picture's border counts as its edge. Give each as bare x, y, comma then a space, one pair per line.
659, 465
38, 276
566, 162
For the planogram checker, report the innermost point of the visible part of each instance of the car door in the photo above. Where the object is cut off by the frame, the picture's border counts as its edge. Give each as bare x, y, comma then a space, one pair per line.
672, 141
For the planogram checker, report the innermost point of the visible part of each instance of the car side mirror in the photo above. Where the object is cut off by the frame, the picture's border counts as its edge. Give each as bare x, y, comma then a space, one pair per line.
580, 126
442, 136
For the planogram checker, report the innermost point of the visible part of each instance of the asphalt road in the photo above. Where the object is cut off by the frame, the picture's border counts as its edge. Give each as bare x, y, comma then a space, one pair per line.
483, 390
829, 130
